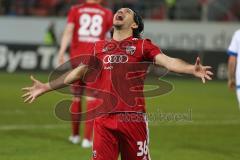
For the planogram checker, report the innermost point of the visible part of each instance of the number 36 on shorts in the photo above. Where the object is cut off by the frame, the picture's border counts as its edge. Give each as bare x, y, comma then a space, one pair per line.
142, 148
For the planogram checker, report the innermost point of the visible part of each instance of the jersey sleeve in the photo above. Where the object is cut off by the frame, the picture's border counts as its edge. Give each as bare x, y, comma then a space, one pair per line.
150, 50
71, 16
234, 46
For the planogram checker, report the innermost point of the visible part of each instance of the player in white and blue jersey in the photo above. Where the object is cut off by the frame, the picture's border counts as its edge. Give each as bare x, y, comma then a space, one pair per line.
234, 64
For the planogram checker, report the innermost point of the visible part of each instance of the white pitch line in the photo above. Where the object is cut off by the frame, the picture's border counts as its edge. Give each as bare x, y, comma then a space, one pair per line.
195, 116
196, 123
31, 127
55, 126
22, 112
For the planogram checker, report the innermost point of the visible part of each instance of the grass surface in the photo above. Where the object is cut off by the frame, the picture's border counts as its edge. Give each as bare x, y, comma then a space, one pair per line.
32, 132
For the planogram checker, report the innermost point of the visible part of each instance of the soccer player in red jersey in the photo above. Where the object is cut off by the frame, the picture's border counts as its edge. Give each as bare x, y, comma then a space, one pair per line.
114, 132
86, 24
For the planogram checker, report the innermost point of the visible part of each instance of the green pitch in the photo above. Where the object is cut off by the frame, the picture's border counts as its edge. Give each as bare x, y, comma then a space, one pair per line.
208, 130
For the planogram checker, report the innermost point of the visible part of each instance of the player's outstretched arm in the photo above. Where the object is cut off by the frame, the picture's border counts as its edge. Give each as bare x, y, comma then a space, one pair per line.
179, 66
38, 88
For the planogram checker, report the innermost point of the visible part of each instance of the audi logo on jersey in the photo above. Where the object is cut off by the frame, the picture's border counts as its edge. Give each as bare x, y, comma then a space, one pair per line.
109, 59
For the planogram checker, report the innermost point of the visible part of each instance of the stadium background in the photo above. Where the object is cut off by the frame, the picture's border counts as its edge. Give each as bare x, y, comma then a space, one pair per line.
210, 124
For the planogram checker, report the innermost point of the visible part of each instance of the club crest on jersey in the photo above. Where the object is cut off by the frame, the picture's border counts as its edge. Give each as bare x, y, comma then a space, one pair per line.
130, 50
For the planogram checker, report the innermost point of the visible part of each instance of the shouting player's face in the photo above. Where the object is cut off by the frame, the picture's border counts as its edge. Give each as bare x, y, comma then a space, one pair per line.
124, 19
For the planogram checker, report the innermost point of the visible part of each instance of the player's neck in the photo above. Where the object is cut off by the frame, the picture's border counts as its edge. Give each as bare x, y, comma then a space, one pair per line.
120, 35
91, 2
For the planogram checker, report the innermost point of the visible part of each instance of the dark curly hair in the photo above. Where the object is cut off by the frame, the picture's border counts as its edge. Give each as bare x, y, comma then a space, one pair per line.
139, 21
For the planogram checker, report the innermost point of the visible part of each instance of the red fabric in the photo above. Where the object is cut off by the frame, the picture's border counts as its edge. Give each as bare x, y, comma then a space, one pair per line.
114, 79
48, 3
126, 134
91, 23
91, 104
150, 50
80, 16
76, 109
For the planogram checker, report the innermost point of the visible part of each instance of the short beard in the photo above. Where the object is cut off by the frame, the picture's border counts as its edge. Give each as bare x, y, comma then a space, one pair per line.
118, 27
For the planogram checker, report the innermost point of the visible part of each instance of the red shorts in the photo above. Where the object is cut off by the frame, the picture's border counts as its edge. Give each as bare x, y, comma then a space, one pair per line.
121, 133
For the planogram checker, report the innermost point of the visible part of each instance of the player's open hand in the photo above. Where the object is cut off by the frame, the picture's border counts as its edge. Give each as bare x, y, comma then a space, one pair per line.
202, 72
37, 89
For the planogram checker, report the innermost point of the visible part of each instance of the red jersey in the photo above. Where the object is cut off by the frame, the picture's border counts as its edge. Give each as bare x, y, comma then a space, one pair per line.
123, 72
91, 24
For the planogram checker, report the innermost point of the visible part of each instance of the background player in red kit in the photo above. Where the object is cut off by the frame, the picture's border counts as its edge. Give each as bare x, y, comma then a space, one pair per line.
86, 24
113, 135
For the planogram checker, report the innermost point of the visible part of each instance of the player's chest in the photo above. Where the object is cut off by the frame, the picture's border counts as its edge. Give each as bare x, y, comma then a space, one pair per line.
119, 52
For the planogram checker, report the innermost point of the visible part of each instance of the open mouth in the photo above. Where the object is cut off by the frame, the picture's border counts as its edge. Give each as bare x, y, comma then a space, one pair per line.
119, 17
